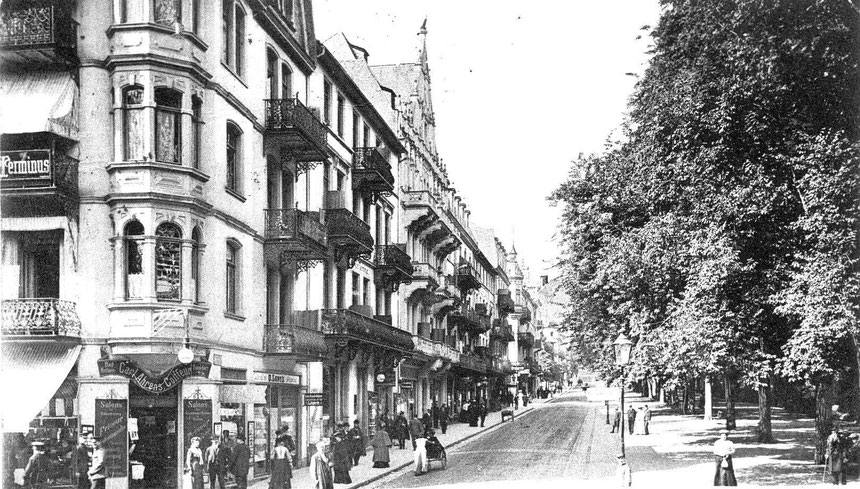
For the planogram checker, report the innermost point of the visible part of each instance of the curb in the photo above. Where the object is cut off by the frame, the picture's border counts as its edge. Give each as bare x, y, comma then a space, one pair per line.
407, 464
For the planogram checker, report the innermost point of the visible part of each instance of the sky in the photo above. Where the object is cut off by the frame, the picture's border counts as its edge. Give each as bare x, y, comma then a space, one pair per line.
519, 90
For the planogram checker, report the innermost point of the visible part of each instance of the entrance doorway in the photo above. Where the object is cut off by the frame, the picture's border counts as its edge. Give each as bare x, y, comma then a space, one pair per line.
157, 431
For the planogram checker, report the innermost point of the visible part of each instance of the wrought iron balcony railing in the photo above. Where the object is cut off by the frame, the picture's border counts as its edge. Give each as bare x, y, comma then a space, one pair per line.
504, 302
352, 325
348, 236
291, 233
427, 272
393, 266
371, 171
468, 320
526, 339
291, 339
40, 317
472, 362
37, 31
466, 277
290, 124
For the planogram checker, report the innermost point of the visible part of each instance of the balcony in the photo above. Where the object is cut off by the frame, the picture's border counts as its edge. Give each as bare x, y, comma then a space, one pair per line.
526, 339
472, 362
502, 330
393, 266
344, 324
289, 339
40, 318
37, 32
292, 126
426, 347
41, 182
348, 236
504, 302
469, 321
292, 234
371, 172
466, 278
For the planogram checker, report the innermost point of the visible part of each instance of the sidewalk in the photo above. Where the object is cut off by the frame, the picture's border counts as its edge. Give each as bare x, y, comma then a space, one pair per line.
364, 473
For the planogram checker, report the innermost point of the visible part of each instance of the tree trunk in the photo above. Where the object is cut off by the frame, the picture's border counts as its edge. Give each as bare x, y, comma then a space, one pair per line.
854, 341
662, 394
823, 418
765, 434
709, 399
730, 404
685, 398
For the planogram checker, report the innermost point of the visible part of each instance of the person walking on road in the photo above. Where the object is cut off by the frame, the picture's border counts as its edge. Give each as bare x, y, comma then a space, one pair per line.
647, 418
282, 465
341, 454
381, 443
622, 473
616, 420
217, 459
443, 418
82, 463
519, 401
483, 412
416, 429
320, 467
725, 471
401, 429
420, 455
631, 419
835, 457
240, 462
359, 442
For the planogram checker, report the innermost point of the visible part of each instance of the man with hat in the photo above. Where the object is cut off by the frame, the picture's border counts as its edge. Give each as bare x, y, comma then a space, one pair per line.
82, 463
835, 453
240, 462
36, 470
97, 468
320, 466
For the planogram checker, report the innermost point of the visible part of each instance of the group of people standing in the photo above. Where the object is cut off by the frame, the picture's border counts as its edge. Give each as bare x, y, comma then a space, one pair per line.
638, 420
89, 463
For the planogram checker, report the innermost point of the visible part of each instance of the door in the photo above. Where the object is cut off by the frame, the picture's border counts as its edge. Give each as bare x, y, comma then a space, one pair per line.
40, 270
156, 447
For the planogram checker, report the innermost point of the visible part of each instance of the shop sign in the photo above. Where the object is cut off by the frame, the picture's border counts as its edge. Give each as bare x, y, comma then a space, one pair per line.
268, 378
313, 398
405, 384
155, 384
197, 418
112, 426
34, 164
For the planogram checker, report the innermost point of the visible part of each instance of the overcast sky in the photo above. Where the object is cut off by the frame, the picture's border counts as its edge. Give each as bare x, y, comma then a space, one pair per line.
519, 90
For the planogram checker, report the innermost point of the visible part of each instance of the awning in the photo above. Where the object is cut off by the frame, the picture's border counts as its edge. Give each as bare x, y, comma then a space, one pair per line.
31, 373
39, 101
255, 394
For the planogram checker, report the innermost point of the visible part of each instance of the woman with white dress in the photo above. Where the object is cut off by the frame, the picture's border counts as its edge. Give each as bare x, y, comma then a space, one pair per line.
639, 424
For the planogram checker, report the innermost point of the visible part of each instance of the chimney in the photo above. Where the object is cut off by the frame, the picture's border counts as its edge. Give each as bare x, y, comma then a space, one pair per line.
544, 279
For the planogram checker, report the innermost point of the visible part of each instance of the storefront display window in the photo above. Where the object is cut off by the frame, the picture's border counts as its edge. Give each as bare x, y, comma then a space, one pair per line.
232, 421
260, 440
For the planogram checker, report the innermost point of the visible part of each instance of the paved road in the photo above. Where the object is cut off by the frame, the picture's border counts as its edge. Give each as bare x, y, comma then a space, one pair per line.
564, 439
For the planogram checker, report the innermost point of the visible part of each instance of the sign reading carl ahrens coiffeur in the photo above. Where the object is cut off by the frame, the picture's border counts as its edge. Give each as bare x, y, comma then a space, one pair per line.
155, 384
33, 164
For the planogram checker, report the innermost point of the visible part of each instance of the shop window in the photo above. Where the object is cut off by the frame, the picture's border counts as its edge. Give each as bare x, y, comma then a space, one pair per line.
232, 280
234, 157
286, 81
132, 123
166, 12
133, 244
232, 416
196, 130
168, 262
195, 263
168, 125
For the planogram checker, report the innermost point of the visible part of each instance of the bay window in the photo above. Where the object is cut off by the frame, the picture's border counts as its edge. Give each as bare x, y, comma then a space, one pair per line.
168, 262
168, 125
132, 123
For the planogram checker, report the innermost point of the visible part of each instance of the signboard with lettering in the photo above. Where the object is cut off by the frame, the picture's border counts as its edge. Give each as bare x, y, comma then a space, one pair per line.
314, 398
111, 425
197, 418
33, 164
270, 378
156, 384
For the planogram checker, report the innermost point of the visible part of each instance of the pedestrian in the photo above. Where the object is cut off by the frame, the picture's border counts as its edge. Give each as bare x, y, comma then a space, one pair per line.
835, 457
474, 409
282, 465
401, 429
616, 420
36, 471
82, 463
483, 412
320, 466
420, 455
359, 442
240, 457
647, 418
631, 419
724, 474
622, 473
341, 454
97, 466
194, 463
443, 418
434, 411
217, 458
519, 401
639, 426
416, 429
427, 420
381, 443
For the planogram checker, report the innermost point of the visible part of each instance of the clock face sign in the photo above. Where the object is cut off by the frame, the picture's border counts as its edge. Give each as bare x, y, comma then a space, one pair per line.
380, 378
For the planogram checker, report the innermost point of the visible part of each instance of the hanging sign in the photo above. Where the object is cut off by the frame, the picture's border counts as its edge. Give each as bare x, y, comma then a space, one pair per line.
34, 164
313, 398
112, 425
156, 384
197, 418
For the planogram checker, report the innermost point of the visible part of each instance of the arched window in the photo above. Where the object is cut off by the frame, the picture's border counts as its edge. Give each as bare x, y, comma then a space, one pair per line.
166, 12
196, 130
234, 158
168, 262
133, 260
232, 277
132, 123
271, 74
196, 237
168, 125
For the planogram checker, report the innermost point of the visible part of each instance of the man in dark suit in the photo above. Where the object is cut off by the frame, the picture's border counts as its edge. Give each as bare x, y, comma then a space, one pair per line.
416, 429
217, 459
239, 462
82, 463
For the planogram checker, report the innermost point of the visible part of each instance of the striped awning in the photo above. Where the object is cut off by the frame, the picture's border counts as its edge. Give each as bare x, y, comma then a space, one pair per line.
31, 373
39, 101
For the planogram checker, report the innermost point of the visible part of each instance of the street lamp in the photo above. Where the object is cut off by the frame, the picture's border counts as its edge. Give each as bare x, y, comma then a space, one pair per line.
622, 348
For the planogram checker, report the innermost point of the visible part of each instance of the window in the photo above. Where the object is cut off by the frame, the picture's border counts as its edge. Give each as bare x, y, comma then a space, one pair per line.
286, 9
226, 29
133, 244
196, 130
326, 179
327, 277
356, 288
341, 287
168, 262
356, 120
166, 12
239, 62
132, 123
195, 264
168, 125
233, 36
365, 287
271, 74
231, 283
365, 136
340, 104
286, 81
327, 102
195, 16
234, 156
387, 229
365, 210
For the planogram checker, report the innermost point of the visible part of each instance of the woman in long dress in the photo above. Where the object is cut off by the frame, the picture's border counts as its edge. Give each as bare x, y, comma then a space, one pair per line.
194, 463
725, 470
639, 424
381, 443
320, 467
282, 470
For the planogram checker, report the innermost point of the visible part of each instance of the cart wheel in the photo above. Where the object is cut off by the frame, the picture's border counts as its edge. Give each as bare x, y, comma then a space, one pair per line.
444, 461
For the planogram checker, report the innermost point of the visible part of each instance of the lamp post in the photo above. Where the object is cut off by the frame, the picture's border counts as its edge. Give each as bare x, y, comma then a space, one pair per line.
622, 347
